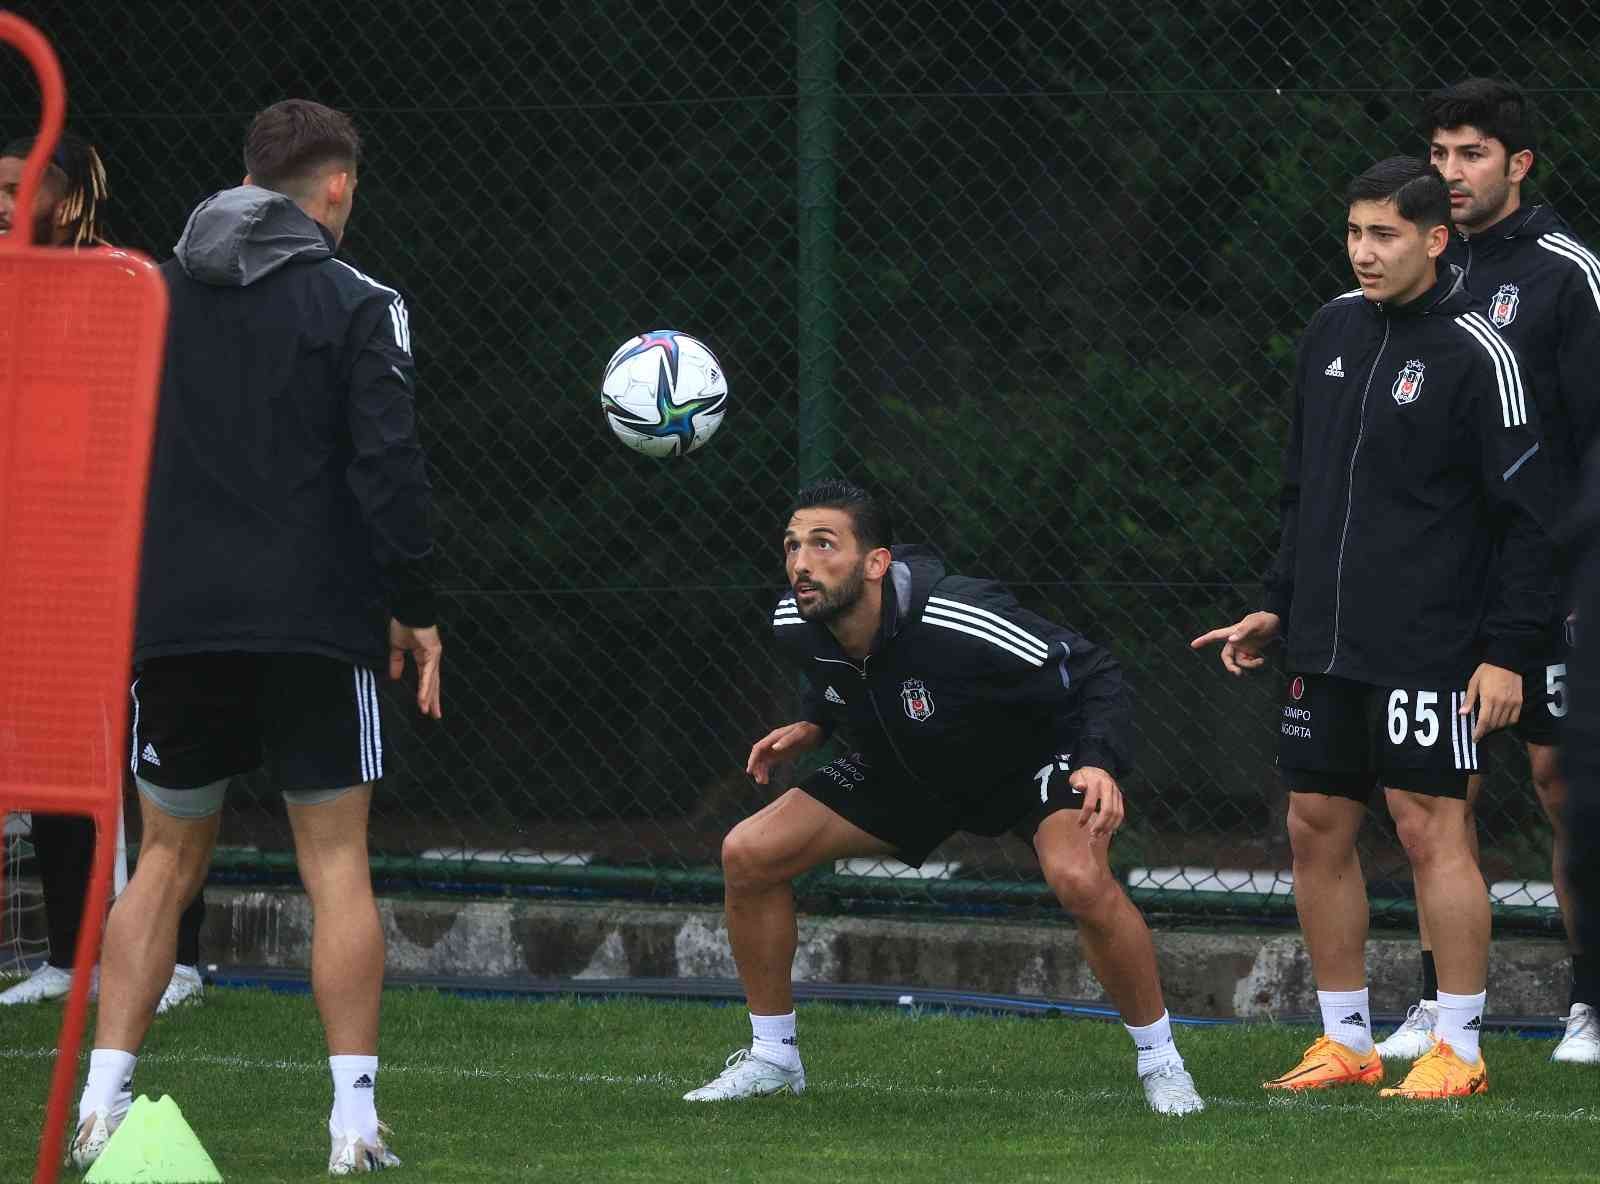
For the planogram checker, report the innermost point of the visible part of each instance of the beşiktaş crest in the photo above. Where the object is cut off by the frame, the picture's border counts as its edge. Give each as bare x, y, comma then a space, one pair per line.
915, 699
1408, 385
1503, 308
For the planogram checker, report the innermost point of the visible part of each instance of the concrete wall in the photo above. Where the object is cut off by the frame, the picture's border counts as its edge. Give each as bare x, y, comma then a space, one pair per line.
1248, 973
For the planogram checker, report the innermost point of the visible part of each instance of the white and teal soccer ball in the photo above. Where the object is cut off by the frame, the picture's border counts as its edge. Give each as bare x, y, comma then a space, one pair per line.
664, 393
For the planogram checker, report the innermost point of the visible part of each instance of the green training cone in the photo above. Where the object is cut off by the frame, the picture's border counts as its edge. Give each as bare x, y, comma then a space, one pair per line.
154, 1145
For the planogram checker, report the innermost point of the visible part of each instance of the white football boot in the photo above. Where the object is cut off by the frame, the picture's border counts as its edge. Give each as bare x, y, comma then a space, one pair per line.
746, 1075
92, 1137
185, 986
1413, 1037
352, 1155
1170, 1090
1581, 1044
47, 982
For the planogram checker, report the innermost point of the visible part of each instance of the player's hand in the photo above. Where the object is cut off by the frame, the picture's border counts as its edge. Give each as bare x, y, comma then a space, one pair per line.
780, 744
426, 650
1102, 800
1243, 641
1497, 694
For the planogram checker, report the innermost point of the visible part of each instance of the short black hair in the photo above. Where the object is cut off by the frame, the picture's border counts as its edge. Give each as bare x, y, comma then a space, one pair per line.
869, 518
1418, 191
289, 142
1495, 108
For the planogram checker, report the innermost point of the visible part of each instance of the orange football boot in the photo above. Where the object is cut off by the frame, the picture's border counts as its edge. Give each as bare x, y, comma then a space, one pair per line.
1328, 1063
1439, 1073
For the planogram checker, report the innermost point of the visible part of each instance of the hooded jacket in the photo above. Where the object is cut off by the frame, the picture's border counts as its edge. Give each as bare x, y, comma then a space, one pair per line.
962, 683
289, 498
1540, 287
1416, 503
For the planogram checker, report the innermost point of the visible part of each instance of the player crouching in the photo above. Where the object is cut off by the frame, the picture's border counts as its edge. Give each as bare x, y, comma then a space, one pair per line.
966, 713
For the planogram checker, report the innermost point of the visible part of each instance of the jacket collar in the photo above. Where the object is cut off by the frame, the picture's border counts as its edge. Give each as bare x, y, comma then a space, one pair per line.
1448, 295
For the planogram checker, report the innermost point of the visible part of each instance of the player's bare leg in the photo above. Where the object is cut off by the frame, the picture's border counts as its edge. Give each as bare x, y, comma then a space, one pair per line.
330, 841
1330, 896
330, 844
1434, 832
141, 941
1415, 1036
1116, 941
1544, 763
141, 938
1330, 892
760, 858
1580, 1044
1118, 947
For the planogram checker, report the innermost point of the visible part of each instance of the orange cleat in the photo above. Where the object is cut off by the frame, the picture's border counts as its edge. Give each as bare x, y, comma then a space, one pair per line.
1439, 1073
1328, 1063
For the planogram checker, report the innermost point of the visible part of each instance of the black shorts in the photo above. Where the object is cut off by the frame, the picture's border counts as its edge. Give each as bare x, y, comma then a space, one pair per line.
311, 721
914, 818
1344, 738
1544, 694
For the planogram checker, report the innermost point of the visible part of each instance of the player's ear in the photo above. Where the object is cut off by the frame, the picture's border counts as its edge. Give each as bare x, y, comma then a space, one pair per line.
878, 560
1438, 240
338, 188
1519, 165
248, 180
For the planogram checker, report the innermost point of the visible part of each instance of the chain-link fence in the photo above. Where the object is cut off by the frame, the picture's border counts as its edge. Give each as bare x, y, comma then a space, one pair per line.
1034, 269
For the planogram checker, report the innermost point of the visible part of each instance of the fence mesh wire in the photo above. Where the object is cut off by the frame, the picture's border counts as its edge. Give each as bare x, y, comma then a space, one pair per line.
1035, 269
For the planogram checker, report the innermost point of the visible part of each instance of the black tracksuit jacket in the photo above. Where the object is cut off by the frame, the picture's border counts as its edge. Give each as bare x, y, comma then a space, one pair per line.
962, 683
1540, 287
289, 498
1416, 502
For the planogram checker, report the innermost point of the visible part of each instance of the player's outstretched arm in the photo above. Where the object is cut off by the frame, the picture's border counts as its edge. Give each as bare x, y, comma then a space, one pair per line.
781, 744
427, 651
1243, 641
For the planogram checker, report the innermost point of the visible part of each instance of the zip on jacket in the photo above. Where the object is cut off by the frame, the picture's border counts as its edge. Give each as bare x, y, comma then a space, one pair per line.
1416, 502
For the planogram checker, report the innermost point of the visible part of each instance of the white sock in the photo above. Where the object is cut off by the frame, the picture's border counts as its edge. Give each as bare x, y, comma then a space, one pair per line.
355, 1090
1460, 1018
1154, 1044
108, 1086
1347, 1018
774, 1040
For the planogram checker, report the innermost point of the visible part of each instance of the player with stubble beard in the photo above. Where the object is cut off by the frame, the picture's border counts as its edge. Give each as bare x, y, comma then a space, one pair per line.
964, 712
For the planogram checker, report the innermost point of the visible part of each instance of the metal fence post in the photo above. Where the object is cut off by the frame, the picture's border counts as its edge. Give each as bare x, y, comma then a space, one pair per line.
816, 175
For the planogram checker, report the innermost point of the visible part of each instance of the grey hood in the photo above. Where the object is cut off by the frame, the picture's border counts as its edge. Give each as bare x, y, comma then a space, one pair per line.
238, 236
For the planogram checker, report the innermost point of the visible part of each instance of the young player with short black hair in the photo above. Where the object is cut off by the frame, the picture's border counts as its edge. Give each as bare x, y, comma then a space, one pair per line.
1540, 287
287, 560
965, 712
70, 211
1412, 585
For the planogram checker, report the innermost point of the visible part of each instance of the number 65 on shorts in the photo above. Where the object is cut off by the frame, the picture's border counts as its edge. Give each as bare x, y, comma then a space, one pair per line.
1344, 738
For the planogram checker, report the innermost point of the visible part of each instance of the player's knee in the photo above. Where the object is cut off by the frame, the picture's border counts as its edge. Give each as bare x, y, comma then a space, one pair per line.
1426, 838
1081, 885
176, 872
1312, 835
746, 861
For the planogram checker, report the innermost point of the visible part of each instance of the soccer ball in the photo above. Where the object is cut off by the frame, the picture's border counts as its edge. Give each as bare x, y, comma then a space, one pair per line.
664, 393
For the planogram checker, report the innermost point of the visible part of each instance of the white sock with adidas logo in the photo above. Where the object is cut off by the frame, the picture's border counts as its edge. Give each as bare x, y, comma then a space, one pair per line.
355, 1091
1460, 1020
107, 1088
773, 1039
1347, 1018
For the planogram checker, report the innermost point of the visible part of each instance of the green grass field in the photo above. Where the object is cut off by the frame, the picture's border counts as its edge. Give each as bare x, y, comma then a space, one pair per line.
559, 1090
